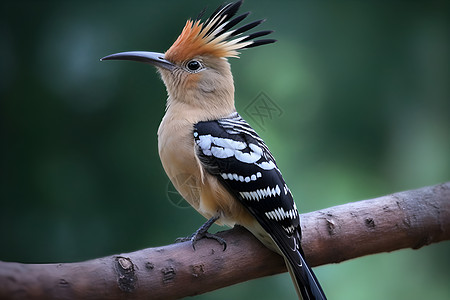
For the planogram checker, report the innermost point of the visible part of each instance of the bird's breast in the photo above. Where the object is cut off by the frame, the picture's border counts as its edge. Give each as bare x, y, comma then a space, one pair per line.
202, 190
177, 152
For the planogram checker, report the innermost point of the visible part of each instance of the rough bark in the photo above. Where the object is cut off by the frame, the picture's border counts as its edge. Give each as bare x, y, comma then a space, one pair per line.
410, 219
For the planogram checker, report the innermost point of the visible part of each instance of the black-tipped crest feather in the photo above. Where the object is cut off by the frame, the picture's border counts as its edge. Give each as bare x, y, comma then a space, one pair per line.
247, 27
222, 18
233, 22
200, 15
257, 34
260, 43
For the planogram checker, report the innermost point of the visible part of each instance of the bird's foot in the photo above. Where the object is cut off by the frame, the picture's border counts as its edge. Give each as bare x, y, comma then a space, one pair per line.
202, 232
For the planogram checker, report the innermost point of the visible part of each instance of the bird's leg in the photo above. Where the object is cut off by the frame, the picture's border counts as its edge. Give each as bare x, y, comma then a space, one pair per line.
202, 232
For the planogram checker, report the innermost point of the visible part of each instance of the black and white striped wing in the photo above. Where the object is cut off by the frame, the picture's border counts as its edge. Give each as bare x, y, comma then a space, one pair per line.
230, 149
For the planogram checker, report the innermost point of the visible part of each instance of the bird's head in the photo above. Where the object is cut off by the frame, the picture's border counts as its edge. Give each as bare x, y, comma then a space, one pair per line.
195, 68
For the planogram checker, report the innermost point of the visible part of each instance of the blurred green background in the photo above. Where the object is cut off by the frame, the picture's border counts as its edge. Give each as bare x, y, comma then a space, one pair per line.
364, 91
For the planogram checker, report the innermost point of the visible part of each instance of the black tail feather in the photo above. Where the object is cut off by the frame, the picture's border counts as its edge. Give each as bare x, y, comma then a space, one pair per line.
306, 281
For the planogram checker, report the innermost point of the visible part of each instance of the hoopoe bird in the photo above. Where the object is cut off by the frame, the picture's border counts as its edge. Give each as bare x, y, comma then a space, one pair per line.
228, 173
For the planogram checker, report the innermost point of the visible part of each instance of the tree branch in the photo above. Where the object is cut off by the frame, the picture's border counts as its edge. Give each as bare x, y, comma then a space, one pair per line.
409, 219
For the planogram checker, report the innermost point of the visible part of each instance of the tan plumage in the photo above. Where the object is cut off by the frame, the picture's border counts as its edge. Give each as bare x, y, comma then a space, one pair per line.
200, 88
177, 153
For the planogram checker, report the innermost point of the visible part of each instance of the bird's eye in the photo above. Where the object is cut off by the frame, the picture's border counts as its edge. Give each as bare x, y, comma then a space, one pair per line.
194, 65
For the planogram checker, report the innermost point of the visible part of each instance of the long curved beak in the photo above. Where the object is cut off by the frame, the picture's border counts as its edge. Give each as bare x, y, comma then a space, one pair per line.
154, 58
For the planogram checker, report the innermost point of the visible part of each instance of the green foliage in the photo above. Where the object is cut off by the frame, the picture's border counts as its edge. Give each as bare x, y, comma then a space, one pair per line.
364, 92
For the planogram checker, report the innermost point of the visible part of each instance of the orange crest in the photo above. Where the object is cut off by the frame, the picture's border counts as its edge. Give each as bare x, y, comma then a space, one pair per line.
215, 36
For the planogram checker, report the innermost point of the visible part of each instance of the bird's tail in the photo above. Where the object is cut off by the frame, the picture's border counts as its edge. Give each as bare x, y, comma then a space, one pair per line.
306, 283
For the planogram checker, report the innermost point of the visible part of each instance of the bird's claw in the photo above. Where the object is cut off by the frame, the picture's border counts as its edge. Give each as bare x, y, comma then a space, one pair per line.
183, 239
194, 238
208, 235
202, 232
